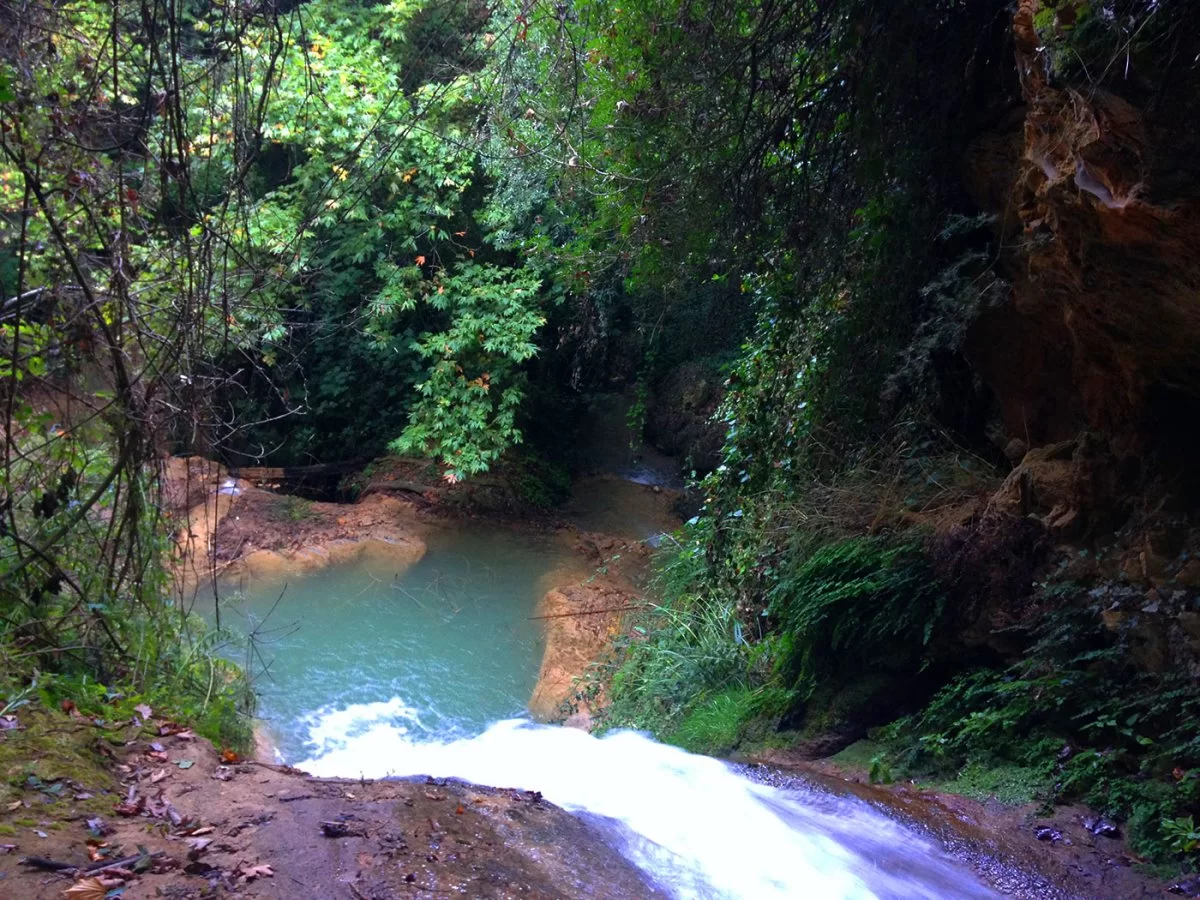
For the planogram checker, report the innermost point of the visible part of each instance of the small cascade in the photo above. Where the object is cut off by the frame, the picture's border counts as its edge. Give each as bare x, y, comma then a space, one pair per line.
695, 825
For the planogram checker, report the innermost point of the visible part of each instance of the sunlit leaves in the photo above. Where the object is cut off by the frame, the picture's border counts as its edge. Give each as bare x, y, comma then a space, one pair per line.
466, 414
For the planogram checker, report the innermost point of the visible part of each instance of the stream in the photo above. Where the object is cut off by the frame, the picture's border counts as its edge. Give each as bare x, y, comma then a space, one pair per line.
368, 672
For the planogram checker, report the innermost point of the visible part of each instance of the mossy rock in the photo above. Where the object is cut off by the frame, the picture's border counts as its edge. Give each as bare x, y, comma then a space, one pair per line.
849, 708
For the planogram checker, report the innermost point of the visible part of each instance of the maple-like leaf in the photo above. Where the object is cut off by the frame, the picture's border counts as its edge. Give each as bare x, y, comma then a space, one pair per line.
93, 888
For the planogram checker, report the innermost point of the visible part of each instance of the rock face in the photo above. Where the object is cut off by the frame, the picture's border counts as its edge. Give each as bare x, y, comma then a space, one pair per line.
1092, 176
1096, 190
679, 416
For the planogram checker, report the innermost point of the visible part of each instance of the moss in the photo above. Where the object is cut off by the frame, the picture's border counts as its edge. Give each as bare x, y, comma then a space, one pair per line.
859, 755
53, 747
1010, 784
834, 705
25, 823
7, 830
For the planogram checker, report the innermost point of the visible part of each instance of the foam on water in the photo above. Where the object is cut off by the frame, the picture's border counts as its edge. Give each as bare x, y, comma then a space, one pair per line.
694, 824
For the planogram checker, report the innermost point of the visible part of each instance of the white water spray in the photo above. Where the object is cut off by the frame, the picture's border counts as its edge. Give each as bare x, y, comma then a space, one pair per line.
694, 824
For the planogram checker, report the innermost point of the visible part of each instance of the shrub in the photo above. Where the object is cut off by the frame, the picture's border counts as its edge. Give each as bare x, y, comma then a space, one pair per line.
855, 604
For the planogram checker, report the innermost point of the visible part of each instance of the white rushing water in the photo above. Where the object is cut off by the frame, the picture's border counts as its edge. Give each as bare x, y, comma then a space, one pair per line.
696, 825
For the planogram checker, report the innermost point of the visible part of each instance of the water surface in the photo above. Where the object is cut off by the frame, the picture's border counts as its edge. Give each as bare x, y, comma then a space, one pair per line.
437, 650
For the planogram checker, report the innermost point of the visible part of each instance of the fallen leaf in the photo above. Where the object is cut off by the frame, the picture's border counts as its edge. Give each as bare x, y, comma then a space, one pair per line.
229, 756
158, 776
130, 807
143, 710
157, 755
98, 826
186, 735
186, 763
420, 260
16, 804
40, 834
7, 848
258, 872
196, 832
157, 747
341, 829
434, 795
87, 889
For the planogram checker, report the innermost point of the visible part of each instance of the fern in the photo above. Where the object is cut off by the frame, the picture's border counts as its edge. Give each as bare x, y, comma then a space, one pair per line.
856, 600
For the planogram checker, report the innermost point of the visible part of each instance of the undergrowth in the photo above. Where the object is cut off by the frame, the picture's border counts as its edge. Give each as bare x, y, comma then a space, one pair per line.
855, 605
711, 674
1073, 720
181, 674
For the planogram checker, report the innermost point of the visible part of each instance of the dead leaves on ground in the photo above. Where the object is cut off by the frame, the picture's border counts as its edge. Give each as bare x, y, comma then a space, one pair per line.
255, 872
93, 888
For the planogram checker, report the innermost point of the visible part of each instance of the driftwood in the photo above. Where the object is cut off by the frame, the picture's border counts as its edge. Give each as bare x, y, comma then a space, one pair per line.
411, 487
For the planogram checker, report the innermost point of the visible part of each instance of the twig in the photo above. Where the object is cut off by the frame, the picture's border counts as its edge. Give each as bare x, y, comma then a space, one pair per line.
121, 863
51, 865
589, 612
46, 865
